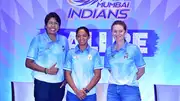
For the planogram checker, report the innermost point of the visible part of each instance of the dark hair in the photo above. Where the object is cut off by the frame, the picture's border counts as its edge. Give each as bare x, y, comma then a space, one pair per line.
119, 22
84, 28
52, 15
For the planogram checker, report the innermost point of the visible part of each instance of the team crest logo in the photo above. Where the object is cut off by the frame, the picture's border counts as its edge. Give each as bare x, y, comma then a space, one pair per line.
75, 57
82, 2
96, 9
126, 56
63, 48
89, 57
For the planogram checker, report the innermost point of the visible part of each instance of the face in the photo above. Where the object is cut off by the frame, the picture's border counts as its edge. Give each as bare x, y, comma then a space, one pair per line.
52, 26
82, 37
118, 32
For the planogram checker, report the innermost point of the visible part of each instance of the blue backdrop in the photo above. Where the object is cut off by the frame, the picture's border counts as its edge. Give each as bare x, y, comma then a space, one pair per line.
153, 25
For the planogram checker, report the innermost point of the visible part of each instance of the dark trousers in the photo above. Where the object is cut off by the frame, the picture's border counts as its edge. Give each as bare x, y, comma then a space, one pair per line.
44, 91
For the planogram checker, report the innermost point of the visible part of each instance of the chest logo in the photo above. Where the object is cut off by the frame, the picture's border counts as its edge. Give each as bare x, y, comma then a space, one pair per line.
75, 57
89, 57
126, 56
63, 48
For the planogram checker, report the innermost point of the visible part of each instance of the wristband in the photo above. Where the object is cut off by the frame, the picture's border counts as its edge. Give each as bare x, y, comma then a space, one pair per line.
45, 70
86, 90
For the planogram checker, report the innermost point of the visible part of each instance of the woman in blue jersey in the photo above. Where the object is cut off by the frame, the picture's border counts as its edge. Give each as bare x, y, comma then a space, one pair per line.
46, 57
126, 65
82, 69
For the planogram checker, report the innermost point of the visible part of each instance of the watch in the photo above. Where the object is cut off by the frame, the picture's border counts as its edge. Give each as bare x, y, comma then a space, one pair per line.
86, 90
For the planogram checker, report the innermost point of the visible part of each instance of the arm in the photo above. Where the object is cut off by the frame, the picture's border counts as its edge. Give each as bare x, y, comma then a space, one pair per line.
95, 79
80, 94
70, 80
140, 72
140, 63
66, 51
97, 72
106, 61
32, 65
67, 71
64, 81
32, 55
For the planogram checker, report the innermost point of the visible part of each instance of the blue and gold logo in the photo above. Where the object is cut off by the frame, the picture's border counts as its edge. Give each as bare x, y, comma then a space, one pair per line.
82, 2
95, 9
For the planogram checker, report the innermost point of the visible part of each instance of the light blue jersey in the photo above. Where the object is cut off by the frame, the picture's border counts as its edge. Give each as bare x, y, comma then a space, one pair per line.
46, 53
123, 64
82, 65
